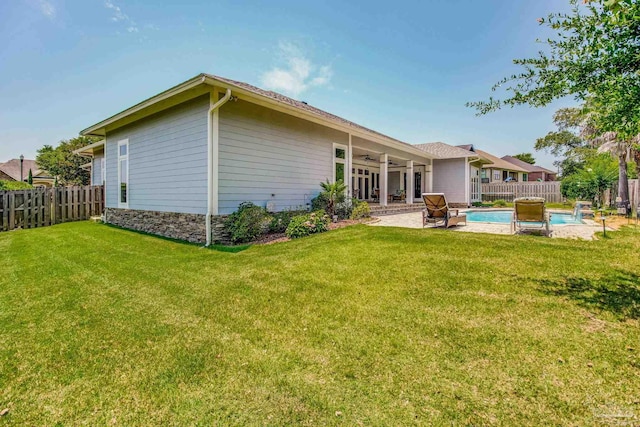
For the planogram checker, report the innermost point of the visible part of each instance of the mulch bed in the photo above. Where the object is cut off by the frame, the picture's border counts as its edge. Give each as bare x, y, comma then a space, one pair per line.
270, 239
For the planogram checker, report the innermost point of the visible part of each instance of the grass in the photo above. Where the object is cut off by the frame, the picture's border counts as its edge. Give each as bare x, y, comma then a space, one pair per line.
362, 325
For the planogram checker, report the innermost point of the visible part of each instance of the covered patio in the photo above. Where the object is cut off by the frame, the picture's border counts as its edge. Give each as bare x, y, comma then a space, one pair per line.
381, 175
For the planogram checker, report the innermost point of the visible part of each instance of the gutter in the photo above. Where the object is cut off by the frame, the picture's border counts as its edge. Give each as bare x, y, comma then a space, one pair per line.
212, 149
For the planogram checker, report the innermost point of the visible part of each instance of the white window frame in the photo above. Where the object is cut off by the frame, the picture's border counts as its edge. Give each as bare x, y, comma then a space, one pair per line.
103, 170
339, 160
497, 175
122, 205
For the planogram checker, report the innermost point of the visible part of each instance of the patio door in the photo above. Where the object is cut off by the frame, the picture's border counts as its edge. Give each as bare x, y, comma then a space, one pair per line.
417, 185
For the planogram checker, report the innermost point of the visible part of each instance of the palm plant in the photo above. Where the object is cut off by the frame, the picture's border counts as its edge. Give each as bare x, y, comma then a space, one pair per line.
334, 192
620, 149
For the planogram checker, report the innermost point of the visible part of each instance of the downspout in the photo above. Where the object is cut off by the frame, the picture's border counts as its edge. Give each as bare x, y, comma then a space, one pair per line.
212, 159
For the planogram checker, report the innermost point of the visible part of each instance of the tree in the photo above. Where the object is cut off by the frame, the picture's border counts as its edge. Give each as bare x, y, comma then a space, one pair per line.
63, 164
568, 141
590, 182
30, 177
526, 157
595, 56
620, 150
596, 53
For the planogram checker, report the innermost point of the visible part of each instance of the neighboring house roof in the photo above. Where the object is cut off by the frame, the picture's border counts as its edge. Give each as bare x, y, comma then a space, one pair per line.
467, 147
440, 150
12, 168
273, 99
527, 166
498, 163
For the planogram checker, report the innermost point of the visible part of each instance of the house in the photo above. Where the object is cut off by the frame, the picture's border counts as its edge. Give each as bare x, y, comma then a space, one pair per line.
96, 166
456, 172
534, 173
177, 163
18, 170
499, 170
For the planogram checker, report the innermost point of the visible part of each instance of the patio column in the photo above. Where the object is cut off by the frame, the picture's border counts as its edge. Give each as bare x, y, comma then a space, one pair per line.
467, 177
384, 178
410, 182
349, 166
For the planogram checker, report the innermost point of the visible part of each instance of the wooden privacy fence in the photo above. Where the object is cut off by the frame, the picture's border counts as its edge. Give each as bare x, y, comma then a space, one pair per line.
41, 207
508, 191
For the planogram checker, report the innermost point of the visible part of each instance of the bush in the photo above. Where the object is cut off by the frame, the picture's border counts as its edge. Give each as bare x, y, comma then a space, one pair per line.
482, 204
280, 221
320, 202
361, 210
247, 223
304, 225
500, 203
14, 185
346, 207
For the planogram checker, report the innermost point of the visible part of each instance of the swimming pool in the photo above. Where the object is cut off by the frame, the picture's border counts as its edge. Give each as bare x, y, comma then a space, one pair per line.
504, 217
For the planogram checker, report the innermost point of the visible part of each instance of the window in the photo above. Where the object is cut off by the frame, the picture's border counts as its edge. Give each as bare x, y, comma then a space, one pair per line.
496, 175
525, 177
339, 163
123, 173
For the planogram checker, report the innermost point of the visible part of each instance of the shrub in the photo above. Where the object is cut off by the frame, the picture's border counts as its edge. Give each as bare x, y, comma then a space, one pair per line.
335, 193
361, 210
247, 223
304, 225
14, 185
346, 207
500, 203
320, 202
482, 204
280, 221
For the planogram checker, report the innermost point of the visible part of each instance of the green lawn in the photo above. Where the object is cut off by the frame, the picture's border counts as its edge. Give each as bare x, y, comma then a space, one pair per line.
362, 325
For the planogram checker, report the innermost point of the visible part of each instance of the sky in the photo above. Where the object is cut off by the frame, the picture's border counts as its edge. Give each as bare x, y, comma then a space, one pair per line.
405, 69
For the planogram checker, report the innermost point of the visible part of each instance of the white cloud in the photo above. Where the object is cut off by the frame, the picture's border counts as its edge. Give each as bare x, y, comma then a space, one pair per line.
47, 9
299, 75
120, 16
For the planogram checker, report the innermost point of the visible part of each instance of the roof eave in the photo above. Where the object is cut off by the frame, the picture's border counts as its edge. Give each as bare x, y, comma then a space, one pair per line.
99, 129
308, 115
88, 150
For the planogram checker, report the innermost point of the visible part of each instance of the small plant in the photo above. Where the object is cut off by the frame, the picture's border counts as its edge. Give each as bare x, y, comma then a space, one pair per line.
320, 203
304, 225
280, 221
361, 210
482, 204
500, 203
344, 208
334, 193
247, 223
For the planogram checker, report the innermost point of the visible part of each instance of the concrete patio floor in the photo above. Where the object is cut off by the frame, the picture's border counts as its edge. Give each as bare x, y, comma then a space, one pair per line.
414, 220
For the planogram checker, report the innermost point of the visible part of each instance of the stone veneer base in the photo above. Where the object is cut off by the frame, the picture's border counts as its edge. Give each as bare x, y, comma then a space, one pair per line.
180, 226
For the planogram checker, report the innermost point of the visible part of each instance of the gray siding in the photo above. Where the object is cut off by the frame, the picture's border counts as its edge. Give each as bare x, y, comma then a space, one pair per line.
449, 178
167, 160
264, 152
96, 169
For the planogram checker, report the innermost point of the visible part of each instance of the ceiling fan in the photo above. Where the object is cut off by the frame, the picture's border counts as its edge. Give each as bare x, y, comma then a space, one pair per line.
367, 158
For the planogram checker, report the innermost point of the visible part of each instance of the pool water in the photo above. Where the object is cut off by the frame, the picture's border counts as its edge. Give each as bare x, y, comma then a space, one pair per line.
504, 217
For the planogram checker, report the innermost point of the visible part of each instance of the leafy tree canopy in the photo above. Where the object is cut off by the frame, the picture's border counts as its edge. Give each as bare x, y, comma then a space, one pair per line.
594, 54
526, 157
63, 164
